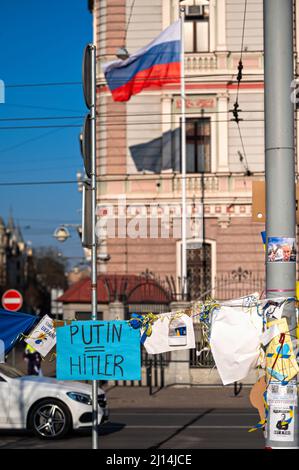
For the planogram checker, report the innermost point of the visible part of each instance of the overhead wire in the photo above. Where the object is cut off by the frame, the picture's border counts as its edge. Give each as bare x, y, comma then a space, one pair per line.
40, 118
48, 108
100, 115
124, 177
129, 22
27, 141
236, 107
40, 127
45, 84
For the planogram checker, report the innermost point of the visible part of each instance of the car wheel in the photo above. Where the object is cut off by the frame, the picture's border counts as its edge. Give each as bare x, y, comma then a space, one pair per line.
50, 419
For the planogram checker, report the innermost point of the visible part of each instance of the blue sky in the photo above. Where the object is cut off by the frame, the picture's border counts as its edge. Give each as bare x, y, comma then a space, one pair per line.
42, 42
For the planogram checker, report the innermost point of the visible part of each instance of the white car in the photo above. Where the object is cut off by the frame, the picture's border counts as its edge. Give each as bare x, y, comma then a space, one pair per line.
48, 407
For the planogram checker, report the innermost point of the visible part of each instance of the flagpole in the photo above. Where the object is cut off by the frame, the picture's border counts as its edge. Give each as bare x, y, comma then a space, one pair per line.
183, 159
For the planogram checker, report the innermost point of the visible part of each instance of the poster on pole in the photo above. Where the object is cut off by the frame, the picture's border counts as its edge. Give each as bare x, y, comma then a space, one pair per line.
281, 249
98, 350
281, 426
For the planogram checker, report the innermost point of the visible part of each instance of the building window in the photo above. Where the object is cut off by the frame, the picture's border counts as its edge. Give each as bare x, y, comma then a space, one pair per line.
197, 29
198, 145
199, 270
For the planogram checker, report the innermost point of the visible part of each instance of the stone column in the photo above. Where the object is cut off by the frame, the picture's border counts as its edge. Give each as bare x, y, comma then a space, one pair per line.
220, 25
178, 373
116, 311
222, 134
166, 105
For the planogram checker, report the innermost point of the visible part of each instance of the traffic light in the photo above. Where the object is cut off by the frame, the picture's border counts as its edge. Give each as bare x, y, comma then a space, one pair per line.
87, 143
86, 237
86, 136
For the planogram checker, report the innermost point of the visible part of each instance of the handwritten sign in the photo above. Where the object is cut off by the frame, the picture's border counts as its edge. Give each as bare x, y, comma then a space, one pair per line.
98, 350
43, 337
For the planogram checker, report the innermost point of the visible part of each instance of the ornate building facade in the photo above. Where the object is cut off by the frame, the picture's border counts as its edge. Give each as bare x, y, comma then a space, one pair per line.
138, 145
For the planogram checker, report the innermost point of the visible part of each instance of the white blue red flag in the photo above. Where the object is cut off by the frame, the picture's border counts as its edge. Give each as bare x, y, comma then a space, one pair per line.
153, 66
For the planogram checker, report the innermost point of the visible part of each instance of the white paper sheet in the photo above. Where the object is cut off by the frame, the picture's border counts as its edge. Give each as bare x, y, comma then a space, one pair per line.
269, 334
235, 342
169, 336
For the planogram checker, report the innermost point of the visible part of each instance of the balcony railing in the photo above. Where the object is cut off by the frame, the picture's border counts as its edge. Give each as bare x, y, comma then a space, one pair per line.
197, 183
197, 62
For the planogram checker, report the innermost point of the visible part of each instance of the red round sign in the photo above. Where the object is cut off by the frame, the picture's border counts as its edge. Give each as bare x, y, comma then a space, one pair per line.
12, 300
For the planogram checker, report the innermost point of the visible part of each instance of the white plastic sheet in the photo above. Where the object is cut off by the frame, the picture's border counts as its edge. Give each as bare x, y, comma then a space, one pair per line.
170, 334
235, 340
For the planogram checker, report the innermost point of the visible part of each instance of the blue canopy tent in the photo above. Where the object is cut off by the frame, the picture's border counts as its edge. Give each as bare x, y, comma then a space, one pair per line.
12, 325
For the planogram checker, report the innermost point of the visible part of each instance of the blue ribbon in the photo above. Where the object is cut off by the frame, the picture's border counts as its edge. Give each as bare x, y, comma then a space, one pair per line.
141, 321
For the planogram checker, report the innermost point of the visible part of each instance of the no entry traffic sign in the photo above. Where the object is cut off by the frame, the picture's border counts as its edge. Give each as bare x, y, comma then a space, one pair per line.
12, 300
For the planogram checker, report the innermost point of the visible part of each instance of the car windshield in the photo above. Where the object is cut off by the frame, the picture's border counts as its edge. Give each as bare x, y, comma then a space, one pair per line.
10, 372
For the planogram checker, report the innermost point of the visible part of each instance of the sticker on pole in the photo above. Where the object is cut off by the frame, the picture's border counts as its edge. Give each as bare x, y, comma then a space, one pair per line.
278, 394
281, 423
12, 300
281, 250
43, 337
98, 350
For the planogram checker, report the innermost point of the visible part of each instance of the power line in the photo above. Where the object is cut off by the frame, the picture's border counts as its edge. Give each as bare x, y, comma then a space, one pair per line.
42, 159
125, 177
27, 141
57, 84
41, 118
100, 115
48, 108
141, 123
41, 127
37, 183
40, 169
240, 66
236, 108
112, 124
226, 78
129, 21
174, 113
47, 84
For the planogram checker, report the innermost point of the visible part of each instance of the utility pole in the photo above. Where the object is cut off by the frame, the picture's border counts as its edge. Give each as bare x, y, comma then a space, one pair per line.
183, 166
280, 172
90, 199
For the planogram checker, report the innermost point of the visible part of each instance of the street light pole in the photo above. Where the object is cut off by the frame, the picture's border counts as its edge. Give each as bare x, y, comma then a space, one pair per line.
94, 300
183, 157
280, 171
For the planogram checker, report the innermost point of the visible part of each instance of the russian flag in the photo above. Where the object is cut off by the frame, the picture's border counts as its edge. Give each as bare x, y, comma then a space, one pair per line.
153, 66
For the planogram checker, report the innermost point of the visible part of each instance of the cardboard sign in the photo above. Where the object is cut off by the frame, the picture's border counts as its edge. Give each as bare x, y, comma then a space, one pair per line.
98, 350
43, 337
281, 360
256, 396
